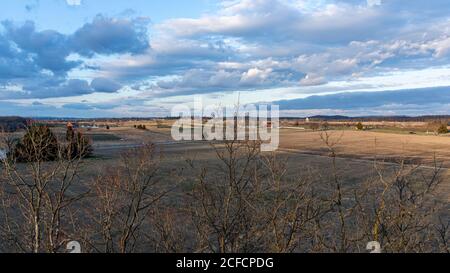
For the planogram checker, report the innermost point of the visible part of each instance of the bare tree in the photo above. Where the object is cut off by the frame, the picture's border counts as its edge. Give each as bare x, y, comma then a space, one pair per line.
244, 203
288, 207
221, 211
406, 208
242, 200
123, 199
37, 197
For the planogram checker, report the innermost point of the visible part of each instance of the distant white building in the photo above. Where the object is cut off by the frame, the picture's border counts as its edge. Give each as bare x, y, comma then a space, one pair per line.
90, 126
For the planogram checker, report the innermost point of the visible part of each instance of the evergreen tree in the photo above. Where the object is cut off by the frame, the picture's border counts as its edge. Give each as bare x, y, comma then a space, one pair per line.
38, 144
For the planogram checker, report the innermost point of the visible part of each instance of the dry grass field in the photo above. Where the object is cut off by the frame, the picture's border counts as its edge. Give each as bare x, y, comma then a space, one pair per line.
304, 148
356, 158
370, 145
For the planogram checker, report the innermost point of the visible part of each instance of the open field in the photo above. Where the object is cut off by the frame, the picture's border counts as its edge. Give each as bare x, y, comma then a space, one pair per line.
370, 145
367, 145
360, 158
304, 148
301, 145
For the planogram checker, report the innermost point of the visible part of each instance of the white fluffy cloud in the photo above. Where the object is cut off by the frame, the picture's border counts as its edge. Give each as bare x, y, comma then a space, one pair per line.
312, 79
287, 43
372, 3
255, 75
73, 2
250, 45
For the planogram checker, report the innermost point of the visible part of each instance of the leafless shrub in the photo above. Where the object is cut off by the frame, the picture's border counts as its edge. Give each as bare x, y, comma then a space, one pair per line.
243, 201
169, 232
37, 198
288, 208
397, 208
123, 199
245, 204
406, 208
335, 231
222, 198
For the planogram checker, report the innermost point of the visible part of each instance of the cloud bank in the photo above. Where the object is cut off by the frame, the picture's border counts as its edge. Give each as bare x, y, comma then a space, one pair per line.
286, 49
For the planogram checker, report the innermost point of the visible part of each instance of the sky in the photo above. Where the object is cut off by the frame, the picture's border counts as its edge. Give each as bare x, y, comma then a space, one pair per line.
139, 58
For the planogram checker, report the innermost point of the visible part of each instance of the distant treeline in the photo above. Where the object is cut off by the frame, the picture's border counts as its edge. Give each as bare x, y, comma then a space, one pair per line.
377, 118
11, 124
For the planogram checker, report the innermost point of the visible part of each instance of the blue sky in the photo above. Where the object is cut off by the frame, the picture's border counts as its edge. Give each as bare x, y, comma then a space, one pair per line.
99, 58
